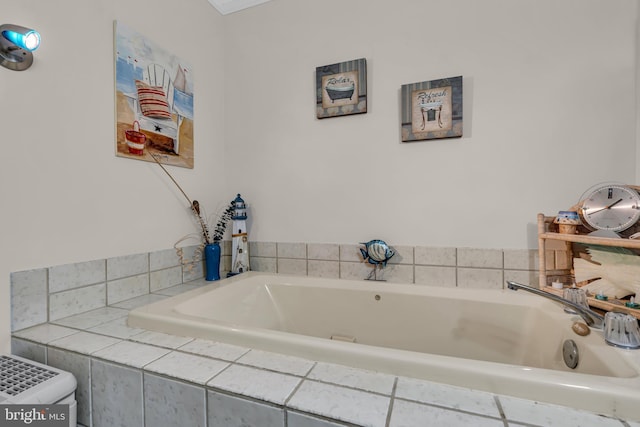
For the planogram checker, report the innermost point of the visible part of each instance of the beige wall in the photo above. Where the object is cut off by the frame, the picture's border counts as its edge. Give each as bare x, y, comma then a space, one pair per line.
549, 110
65, 196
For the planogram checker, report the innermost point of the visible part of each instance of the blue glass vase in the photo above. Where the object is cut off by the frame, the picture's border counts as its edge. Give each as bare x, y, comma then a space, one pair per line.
212, 261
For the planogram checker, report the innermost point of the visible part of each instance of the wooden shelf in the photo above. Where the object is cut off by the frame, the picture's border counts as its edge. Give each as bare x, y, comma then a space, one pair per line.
544, 235
590, 240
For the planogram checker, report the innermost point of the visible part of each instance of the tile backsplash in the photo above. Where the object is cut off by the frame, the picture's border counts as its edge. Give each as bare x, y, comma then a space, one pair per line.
51, 293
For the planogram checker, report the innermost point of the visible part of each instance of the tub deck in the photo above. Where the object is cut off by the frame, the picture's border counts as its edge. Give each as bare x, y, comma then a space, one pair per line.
493, 340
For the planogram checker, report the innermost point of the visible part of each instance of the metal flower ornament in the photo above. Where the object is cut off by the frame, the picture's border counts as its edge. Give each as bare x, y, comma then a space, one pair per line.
377, 253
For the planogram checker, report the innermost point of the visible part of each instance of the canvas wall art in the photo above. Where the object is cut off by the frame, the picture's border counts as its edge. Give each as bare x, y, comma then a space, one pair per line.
432, 109
154, 101
341, 89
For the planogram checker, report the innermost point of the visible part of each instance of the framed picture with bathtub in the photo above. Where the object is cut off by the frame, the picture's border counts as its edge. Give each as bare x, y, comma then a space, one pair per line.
432, 109
341, 89
154, 101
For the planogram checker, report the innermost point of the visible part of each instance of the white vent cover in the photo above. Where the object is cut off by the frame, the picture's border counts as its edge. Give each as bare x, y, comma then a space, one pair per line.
25, 381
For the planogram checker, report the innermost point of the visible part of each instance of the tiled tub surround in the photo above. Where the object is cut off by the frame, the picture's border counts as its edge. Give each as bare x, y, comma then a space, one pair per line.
131, 377
46, 294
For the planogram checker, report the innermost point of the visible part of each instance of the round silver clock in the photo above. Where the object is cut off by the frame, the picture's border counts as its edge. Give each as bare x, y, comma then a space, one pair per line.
611, 207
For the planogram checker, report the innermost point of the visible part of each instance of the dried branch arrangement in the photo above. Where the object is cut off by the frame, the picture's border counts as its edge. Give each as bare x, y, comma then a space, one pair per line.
206, 237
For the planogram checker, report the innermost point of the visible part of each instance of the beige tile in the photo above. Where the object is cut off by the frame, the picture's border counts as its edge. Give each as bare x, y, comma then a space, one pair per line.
75, 301
355, 270
483, 258
267, 265
397, 273
435, 256
351, 253
292, 250
435, 276
263, 249
292, 266
521, 259
127, 288
329, 269
402, 255
322, 251
530, 278
480, 278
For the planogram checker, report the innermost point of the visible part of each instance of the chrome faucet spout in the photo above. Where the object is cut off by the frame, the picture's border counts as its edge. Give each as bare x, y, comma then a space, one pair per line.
591, 318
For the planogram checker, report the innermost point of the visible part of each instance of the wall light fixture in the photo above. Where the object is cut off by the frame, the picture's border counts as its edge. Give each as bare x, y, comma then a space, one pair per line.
16, 45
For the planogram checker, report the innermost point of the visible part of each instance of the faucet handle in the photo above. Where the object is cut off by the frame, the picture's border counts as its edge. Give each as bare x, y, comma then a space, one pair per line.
621, 330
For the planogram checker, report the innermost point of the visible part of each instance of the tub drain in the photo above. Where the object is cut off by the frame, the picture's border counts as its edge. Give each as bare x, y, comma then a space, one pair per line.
570, 354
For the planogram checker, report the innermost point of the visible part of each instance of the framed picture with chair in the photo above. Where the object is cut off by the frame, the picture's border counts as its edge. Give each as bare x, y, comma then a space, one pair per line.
154, 101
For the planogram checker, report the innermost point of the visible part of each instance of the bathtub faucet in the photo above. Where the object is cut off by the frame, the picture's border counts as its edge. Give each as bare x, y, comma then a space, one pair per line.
590, 317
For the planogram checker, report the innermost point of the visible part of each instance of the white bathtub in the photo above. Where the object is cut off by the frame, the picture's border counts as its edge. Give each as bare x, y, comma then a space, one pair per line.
499, 341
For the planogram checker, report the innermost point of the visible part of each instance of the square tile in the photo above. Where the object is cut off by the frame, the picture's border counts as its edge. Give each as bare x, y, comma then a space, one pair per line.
29, 350
131, 353
521, 259
196, 369
355, 270
482, 258
480, 278
128, 265
257, 383
45, 333
185, 287
292, 250
84, 342
166, 278
277, 362
530, 278
323, 251
441, 257
435, 276
193, 271
116, 395
28, 298
214, 349
233, 411
70, 276
75, 301
173, 403
140, 301
292, 266
340, 403
396, 273
405, 414
328, 269
263, 249
351, 253
160, 339
167, 258
403, 255
116, 328
295, 419
80, 367
127, 288
266, 265
119, 290
459, 398
352, 377
544, 414
92, 318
